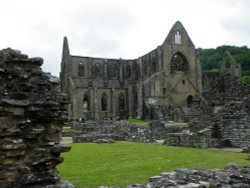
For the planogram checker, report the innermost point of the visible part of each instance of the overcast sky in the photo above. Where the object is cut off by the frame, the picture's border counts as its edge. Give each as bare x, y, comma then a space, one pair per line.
117, 28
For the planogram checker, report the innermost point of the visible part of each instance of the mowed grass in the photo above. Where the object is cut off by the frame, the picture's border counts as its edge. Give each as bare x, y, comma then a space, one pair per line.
124, 163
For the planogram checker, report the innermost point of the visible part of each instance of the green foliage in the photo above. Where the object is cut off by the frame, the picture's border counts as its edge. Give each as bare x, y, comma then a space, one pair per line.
246, 73
125, 163
211, 58
246, 79
137, 121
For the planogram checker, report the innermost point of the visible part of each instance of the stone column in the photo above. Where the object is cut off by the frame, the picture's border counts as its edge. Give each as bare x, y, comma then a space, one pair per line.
92, 103
105, 69
130, 99
96, 107
113, 103
140, 99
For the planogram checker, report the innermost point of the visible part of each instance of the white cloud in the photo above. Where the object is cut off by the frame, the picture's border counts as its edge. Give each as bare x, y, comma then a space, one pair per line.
117, 28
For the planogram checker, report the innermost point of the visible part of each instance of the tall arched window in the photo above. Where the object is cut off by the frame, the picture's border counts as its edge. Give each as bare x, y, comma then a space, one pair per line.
86, 102
104, 102
81, 70
127, 71
177, 37
121, 101
98, 70
153, 66
179, 63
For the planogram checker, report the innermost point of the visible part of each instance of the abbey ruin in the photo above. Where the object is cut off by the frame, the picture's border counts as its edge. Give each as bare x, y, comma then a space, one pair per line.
166, 84
102, 88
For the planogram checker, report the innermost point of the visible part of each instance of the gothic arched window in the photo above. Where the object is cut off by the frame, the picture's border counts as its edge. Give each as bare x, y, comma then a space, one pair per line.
86, 102
80, 70
98, 72
127, 71
121, 101
179, 63
104, 102
113, 71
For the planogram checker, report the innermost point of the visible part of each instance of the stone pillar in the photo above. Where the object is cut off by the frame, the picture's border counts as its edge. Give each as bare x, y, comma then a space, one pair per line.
120, 71
140, 100
130, 99
92, 103
105, 69
113, 103
96, 106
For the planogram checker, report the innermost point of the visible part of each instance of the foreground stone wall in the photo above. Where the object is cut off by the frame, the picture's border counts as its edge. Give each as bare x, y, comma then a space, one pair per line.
32, 114
231, 176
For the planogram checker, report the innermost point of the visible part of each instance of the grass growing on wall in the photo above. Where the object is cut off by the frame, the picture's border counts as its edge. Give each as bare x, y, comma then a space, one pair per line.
124, 163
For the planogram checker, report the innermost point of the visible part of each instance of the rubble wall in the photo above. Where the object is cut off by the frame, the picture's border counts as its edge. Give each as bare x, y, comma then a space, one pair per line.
231, 176
32, 114
200, 139
93, 131
233, 125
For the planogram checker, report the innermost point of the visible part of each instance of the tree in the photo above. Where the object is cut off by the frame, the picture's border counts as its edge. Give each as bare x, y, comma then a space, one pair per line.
246, 79
210, 58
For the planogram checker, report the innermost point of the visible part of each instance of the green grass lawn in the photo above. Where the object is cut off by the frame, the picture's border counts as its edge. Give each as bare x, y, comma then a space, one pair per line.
124, 163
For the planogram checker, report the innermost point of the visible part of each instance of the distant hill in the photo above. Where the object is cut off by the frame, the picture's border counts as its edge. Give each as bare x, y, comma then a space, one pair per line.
210, 58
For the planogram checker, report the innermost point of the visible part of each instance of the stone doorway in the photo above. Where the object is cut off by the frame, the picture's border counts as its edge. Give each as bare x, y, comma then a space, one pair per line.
190, 100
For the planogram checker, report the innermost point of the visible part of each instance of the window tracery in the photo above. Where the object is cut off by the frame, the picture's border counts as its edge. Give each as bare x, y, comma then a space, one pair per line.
179, 63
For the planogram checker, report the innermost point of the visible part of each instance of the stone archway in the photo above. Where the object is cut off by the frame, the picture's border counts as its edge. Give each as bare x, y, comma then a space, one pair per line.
104, 102
86, 102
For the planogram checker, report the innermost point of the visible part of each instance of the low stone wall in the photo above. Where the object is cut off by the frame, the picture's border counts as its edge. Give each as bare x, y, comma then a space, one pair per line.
92, 131
176, 135
201, 139
32, 114
232, 176
229, 126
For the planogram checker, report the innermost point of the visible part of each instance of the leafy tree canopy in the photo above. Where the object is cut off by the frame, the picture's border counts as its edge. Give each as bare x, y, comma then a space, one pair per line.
211, 58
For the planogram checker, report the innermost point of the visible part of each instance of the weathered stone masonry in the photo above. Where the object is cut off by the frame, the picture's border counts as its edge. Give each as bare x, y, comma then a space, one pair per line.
101, 88
32, 114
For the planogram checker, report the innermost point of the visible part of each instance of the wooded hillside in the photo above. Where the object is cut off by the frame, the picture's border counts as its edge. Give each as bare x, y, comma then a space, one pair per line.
210, 58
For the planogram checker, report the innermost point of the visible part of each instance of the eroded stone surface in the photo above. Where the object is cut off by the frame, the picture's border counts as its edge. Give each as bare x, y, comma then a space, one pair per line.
32, 113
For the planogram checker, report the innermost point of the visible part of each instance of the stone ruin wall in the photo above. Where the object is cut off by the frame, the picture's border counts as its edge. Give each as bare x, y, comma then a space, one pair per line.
111, 131
32, 114
230, 120
156, 131
225, 121
232, 176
